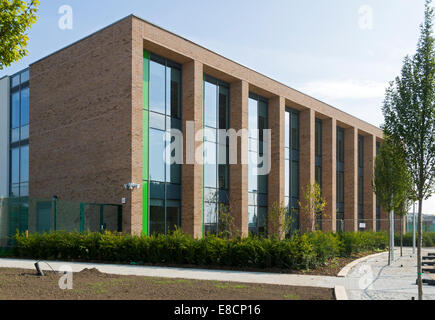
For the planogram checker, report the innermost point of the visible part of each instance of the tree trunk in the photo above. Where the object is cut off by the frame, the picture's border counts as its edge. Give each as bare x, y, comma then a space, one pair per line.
419, 244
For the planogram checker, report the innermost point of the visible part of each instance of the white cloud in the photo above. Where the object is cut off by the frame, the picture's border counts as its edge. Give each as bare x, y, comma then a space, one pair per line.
348, 89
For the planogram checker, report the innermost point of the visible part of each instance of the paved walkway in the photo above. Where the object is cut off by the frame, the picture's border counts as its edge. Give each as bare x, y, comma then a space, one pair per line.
181, 273
373, 279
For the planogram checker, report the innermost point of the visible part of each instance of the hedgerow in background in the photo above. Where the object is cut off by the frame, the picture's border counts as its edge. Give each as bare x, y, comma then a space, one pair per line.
305, 251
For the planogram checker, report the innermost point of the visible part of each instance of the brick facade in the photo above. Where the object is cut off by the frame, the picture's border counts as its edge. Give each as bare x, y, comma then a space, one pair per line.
87, 127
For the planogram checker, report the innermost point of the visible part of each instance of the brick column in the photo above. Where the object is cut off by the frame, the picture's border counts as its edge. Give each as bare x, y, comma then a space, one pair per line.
369, 195
351, 180
329, 172
192, 173
307, 161
239, 106
277, 172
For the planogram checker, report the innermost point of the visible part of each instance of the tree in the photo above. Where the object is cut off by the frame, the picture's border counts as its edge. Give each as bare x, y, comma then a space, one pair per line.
391, 178
16, 18
410, 119
402, 211
279, 221
314, 204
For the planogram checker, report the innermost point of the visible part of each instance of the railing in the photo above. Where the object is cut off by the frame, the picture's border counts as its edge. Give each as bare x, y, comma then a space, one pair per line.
42, 215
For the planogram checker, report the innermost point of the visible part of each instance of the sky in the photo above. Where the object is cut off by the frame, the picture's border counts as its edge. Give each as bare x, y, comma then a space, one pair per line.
342, 52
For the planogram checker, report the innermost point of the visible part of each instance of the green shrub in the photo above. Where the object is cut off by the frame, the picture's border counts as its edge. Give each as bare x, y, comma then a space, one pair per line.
428, 239
298, 252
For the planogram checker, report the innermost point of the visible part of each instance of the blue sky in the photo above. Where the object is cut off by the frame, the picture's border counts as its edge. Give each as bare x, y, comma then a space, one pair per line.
319, 47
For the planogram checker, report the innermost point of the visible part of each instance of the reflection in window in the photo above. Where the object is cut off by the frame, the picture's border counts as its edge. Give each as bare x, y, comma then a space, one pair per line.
292, 166
164, 115
19, 135
216, 157
257, 184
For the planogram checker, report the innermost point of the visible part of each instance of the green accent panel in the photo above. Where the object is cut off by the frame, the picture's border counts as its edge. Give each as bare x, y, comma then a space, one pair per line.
145, 161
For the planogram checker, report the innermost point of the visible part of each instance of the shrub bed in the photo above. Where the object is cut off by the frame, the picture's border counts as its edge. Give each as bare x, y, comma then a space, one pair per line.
298, 252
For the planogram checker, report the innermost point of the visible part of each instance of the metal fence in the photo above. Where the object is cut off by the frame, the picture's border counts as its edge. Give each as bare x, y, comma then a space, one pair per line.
42, 215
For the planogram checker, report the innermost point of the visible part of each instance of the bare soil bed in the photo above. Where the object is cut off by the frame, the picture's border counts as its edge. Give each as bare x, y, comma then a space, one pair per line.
17, 284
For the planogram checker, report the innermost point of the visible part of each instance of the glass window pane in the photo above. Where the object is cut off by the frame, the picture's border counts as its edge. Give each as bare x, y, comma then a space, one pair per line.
25, 76
15, 81
295, 179
210, 176
252, 217
252, 172
262, 183
15, 136
24, 189
157, 217
210, 212
24, 164
223, 107
287, 178
173, 103
172, 215
157, 155
15, 165
253, 118
24, 106
15, 110
223, 177
295, 131
287, 129
157, 121
210, 108
24, 131
157, 94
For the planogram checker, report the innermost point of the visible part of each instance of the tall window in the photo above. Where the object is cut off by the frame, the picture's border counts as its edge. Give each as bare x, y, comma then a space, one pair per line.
318, 168
164, 115
257, 184
292, 166
19, 143
216, 153
360, 181
340, 179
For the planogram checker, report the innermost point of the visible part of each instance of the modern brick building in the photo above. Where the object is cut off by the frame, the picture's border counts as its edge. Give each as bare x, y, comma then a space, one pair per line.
100, 109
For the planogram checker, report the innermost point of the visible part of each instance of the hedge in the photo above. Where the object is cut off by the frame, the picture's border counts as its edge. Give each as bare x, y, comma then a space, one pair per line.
298, 252
428, 239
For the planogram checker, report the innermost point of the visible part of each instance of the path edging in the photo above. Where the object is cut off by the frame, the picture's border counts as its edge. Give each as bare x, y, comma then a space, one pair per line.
345, 271
340, 293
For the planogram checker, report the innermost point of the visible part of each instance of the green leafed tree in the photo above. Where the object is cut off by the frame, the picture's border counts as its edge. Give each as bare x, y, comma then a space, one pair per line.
16, 18
391, 177
410, 119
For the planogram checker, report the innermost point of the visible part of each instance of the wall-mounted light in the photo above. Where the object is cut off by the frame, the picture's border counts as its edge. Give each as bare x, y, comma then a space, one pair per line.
131, 186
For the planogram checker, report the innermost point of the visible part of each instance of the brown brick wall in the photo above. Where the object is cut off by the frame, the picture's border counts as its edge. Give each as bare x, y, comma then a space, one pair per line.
307, 161
192, 174
277, 173
239, 97
81, 121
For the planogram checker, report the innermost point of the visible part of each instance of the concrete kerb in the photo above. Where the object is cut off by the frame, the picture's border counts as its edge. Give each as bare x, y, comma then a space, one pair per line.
345, 271
340, 293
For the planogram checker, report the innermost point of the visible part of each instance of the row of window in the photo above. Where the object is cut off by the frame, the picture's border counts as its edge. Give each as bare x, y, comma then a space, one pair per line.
19, 135
165, 114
